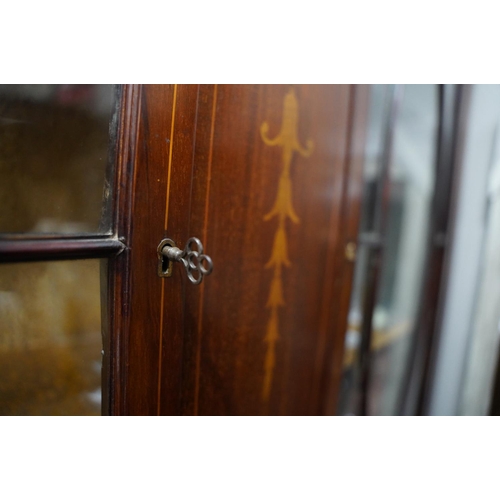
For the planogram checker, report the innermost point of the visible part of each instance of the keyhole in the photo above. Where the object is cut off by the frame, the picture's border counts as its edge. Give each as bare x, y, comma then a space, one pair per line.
164, 264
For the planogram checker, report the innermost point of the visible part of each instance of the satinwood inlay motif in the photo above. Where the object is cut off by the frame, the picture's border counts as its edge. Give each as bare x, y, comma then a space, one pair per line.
282, 209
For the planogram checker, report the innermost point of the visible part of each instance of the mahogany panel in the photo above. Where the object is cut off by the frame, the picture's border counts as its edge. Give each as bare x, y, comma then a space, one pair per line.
176, 227
148, 215
331, 369
237, 344
262, 175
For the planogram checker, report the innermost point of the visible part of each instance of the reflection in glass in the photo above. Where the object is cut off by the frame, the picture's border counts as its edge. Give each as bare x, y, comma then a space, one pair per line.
469, 336
411, 178
482, 327
482, 355
378, 114
408, 203
54, 142
50, 338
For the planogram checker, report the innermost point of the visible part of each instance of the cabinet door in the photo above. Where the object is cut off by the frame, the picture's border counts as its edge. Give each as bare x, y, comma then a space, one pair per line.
268, 178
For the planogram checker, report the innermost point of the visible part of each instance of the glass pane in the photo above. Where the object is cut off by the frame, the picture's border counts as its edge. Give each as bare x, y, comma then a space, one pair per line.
411, 178
377, 118
54, 142
411, 184
469, 336
482, 356
50, 338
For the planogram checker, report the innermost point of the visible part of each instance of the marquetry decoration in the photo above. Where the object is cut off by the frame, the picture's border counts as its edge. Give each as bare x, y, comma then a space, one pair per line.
282, 210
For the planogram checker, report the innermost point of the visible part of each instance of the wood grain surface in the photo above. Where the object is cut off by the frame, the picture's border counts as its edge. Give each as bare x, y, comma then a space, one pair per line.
202, 168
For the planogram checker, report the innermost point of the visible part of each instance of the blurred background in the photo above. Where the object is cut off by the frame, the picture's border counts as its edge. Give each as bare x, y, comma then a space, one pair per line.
424, 318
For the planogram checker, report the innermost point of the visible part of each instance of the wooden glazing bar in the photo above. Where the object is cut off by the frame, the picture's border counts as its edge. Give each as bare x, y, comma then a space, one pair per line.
42, 249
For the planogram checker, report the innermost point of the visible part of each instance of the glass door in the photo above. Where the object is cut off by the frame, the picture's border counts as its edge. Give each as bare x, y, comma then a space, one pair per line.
401, 165
57, 165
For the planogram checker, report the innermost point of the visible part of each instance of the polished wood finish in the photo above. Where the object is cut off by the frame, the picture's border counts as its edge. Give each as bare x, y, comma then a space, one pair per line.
58, 248
343, 268
203, 168
115, 272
